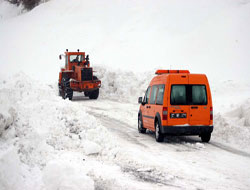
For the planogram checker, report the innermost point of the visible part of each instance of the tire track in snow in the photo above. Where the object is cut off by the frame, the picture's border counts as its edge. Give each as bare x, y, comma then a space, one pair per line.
120, 128
230, 149
153, 175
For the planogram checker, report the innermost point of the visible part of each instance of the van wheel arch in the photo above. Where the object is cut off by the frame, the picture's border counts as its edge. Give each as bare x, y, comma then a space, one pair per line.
159, 136
158, 118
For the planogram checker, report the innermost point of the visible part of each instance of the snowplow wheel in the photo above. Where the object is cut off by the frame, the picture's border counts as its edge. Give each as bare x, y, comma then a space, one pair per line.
205, 137
86, 94
59, 89
159, 137
67, 92
94, 94
141, 129
95, 78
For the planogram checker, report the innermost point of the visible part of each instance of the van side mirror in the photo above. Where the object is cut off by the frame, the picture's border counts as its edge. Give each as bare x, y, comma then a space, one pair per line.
60, 57
140, 100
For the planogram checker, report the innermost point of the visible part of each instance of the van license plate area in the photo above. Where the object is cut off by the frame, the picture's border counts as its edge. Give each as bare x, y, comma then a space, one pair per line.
178, 115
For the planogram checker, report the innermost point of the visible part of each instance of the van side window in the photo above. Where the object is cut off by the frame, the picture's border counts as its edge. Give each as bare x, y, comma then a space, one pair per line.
160, 94
146, 97
153, 94
178, 95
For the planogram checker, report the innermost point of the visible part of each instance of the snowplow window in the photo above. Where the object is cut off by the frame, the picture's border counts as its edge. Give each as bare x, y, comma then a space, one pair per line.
75, 58
188, 95
160, 94
66, 61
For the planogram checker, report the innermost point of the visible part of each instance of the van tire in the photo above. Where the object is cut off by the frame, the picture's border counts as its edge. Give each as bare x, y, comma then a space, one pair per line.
159, 137
141, 129
205, 137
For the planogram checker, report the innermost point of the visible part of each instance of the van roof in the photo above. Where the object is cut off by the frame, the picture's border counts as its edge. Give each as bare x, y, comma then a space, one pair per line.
163, 75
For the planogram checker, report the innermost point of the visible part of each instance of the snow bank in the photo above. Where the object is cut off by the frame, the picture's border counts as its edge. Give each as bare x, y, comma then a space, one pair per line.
228, 94
241, 114
91, 147
233, 127
63, 175
7, 116
11, 174
41, 126
122, 85
8, 10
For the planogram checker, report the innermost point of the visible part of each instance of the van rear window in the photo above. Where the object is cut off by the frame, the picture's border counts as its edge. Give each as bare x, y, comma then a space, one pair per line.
188, 95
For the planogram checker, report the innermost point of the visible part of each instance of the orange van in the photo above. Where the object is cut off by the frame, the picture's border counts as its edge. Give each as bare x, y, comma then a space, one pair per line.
177, 103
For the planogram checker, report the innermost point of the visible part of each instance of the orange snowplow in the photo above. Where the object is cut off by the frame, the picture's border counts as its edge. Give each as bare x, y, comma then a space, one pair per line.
77, 75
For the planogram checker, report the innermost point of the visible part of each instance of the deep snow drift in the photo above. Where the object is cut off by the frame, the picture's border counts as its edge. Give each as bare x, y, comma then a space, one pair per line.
37, 127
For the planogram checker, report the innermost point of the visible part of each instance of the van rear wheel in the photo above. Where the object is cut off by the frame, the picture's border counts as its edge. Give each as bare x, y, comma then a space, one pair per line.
141, 129
159, 137
205, 137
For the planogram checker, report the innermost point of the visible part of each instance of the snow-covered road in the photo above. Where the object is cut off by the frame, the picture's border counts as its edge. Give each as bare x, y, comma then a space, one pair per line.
179, 162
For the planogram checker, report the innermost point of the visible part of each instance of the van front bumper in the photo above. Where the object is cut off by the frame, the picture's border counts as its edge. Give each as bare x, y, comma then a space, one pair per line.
186, 130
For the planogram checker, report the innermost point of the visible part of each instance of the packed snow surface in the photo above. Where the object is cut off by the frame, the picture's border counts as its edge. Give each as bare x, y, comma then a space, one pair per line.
50, 143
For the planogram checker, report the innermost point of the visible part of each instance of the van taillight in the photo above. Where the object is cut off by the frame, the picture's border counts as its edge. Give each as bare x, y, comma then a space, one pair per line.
211, 113
165, 113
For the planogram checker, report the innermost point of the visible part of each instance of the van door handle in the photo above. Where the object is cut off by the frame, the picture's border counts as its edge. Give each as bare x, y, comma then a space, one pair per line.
148, 106
194, 107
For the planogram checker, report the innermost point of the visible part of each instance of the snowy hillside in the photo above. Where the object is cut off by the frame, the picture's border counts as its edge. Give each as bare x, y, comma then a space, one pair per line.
50, 143
203, 36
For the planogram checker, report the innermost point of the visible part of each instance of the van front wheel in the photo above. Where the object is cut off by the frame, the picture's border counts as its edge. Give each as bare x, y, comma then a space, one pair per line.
159, 137
141, 129
205, 137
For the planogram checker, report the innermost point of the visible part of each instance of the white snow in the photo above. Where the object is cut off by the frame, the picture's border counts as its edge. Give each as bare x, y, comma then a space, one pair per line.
50, 143
72, 177
202, 36
8, 10
234, 126
41, 126
91, 147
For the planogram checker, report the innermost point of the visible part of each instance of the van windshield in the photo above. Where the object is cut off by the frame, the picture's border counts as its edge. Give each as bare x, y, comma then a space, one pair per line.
188, 95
